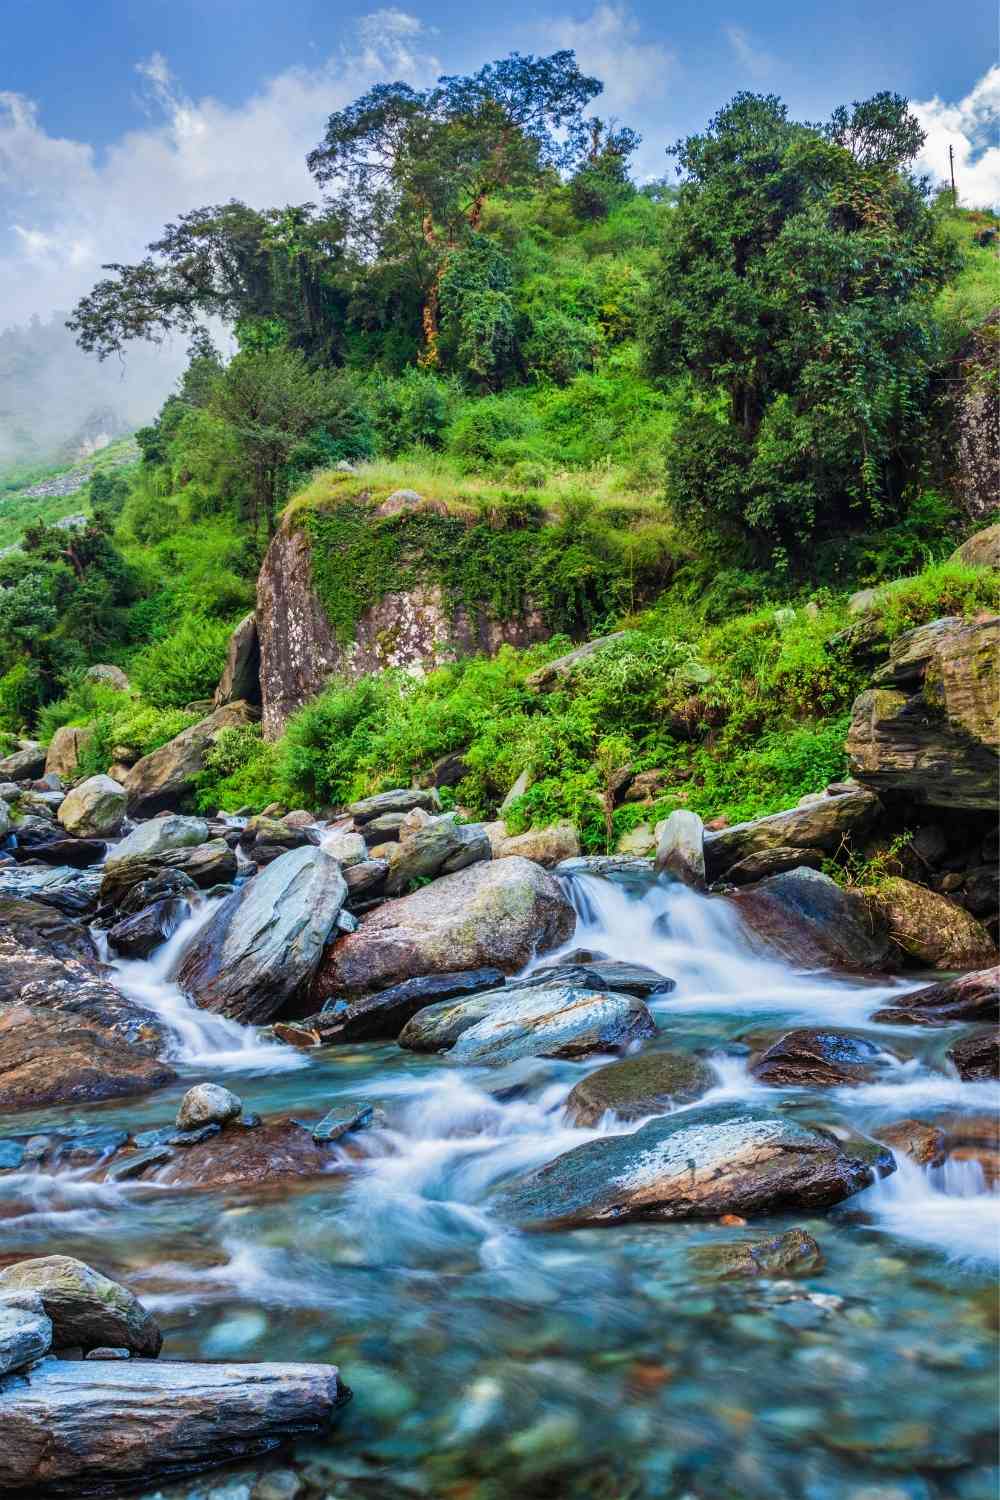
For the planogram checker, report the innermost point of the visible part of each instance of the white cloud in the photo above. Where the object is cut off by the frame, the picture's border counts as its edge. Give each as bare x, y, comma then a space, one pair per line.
970, 128
751, 58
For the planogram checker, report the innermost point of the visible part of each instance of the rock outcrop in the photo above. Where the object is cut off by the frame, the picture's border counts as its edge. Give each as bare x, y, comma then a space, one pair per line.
814, 923
240, 680
821, 823
928, 729
164, 780
977, 420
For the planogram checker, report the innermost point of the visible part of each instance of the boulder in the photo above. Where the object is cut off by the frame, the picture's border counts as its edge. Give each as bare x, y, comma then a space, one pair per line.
982, 550
25, 1330
930, 731
438, 1027
140, 935
680, 850
819, 825
553, 672
263, 839
276, 1151
546, 846
158, 887
585, 972
77, 853
364, 879
976, 1058
87, 1309
36, 981
441, 846
87, 1426
24, 764
495, 914
265, 940
653, 1083
94, 809
971, 997
806, 1058
208, 864
42, 927
932, 929
754, 867
52, 1057
207, 1104
157, 836
556, 1022
794, 1253
66, 749
813, 922
346, 847
166, 777
382, 1017
401, 801
696, 1164
240, 680
108, 675
923, 1143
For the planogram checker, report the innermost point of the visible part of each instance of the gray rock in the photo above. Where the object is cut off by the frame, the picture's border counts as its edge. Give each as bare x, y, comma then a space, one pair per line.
138, 936
516, 790
108, 675
554, 671
212, 863
346, 847
819, 825
651, 1084
44, 929
813, 922
24, 764
108, 1354
381, 1017
265, 940
135, 1163
384, 829
426, 851
158, 836
63, 889
438, 1027
166, 777
754, 867
343, 1120
696, 1164
83, 1426
680, 850
207, 1104
597, 974
94, 809
557, 1022
241, 675
25, 1330
402, 800
495, 914
87, 1309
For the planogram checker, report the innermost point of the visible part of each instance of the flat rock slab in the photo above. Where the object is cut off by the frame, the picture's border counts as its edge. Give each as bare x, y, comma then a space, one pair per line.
599, 974
63, 1059
556, 1022
72, 1427
238, 1157
696, 1164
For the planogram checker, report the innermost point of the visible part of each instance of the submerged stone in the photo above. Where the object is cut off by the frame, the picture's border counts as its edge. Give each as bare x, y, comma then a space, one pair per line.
794, 1253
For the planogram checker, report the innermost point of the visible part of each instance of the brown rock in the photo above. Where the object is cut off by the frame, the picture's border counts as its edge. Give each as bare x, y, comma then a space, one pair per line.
818, 1059
546, 846
651, 1084
932, 928
923, 1142
977, 1057
822, 824
241, 1157
812, 922
981, 550
65, 749
240, 678
970, 997
57, 1058
165, 779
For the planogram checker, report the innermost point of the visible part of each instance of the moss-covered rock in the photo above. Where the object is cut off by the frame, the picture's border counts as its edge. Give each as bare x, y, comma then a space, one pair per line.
931, 928
651, 1084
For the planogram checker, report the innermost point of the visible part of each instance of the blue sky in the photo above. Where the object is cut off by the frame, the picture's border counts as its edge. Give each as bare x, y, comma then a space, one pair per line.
116, 116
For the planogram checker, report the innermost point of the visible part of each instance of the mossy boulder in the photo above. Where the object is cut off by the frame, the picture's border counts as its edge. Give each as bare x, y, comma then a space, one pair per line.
88, 1310
932, 929
651, 1084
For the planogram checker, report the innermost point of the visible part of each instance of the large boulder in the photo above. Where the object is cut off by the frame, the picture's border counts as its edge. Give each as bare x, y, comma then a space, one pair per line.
88, 1310
94, 809
265, 940
74, 1427
970, 997
812, 922
930, 928
140, 935
680, 849
654, 1083
819, 1059
165, 778
495, 914
820, 824
66, 749
157, 836
50, 1057
981, 550
929, 730
24, 764
38, 981
696, 1164
240, 680
557, 1022
546, 846
108, 676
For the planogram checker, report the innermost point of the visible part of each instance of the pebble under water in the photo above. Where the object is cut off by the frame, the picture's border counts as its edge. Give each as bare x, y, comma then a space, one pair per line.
601, 1364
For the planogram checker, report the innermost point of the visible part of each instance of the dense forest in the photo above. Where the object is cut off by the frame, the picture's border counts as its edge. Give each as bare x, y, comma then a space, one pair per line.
699, 411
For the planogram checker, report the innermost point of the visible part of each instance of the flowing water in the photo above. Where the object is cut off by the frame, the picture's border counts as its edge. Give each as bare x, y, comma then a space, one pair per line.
601, 1364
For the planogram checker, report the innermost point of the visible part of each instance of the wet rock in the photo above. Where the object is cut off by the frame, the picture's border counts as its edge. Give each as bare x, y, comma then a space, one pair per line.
240, 678
212, 863
136, 1163
141, 935
438, 1027
794, 1253
970, 997
933, 736
597, 974
546, 846
382, 1017
495, 914
264, 839
24, 764
162, 886
697, 1164
63, 890
265, 940
680, 849
651, 1084
819, 825
165, 778
754, 867
25, 1330
94, 809
41, 927
556, 1022
932, 929
813, 922
343, 1121
87, 1309
77, 853
56, 1057
66, 749
158, 836
275, 1151
108, 1353
346, 847
553, 672
605, 865
207, 1104
818, 1059
38, 981
924, 1143
79, 1427
402, 800
977, 1058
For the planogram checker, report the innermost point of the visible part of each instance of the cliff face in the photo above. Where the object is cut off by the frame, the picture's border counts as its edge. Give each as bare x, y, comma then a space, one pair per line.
977, 421
410, 628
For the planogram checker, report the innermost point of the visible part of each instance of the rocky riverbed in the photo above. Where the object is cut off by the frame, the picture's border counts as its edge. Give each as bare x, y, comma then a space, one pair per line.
586, 1177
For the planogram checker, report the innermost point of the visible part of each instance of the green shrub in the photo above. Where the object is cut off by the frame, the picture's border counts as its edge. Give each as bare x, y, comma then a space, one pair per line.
21, 690
240, 771
185, 666
946, 588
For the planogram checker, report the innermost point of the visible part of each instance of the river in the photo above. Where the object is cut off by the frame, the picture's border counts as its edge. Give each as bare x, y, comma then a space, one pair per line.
487, 1363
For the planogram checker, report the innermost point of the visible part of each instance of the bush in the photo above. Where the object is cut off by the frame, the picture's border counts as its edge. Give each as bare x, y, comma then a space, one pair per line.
240, 771
411, 410
480, 427
185, 666
21, 691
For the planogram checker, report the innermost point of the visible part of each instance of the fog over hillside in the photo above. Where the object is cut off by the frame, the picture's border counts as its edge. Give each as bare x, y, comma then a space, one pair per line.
54, 398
